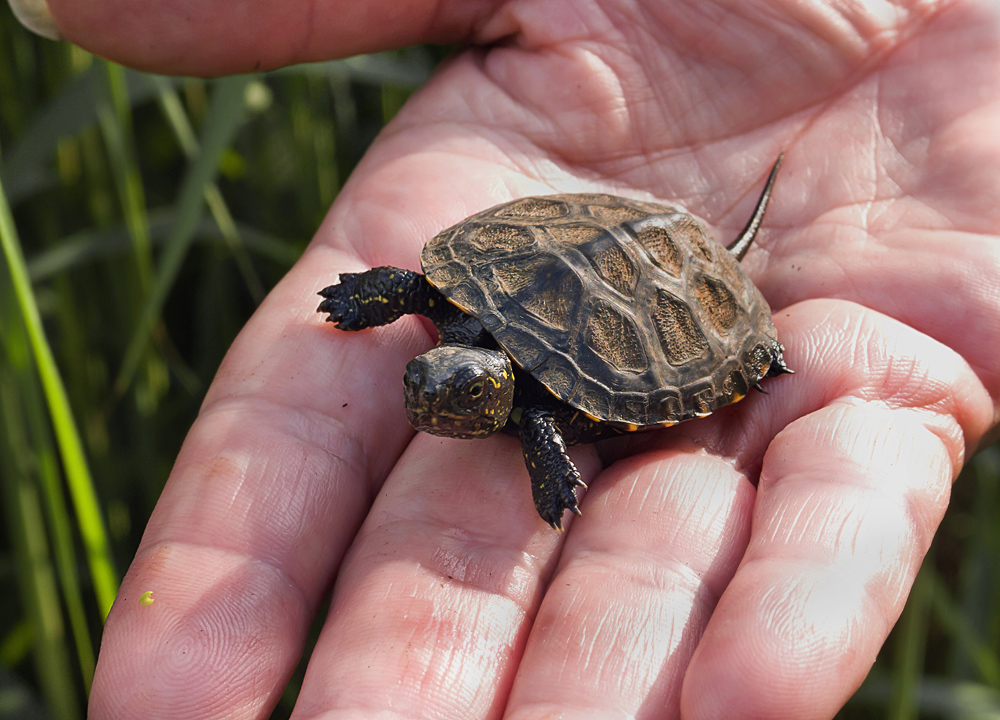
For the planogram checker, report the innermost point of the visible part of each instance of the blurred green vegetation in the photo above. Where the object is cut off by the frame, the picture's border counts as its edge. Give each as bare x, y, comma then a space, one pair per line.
143, 219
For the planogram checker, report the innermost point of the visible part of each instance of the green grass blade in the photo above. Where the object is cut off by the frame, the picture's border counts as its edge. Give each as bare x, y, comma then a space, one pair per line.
938, 698
16, 645
90, 246
60, 530
37, 581
392, 101
18, 701
973, 617
224, 117
74, 460
115, 117
25, 169
909, 655
32, 426
173, 110
409, 68
959, 701
985, 660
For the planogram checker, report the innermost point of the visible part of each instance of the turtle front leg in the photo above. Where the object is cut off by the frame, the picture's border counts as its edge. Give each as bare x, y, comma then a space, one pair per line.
378, 297
554, 477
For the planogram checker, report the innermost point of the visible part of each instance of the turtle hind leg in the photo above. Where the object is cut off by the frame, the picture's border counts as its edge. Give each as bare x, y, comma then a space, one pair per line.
377, 297
554, 477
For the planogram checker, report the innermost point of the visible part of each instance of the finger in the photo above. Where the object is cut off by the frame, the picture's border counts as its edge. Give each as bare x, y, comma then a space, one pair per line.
431, 609
661, 535
837, 543
199, 37
909, 225
297, 433
849, 498
273, 480
590, 633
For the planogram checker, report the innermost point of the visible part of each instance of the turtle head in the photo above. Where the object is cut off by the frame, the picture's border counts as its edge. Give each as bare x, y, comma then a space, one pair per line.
460, 392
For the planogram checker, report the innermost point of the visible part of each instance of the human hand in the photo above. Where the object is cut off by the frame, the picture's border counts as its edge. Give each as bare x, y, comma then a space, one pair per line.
684, 589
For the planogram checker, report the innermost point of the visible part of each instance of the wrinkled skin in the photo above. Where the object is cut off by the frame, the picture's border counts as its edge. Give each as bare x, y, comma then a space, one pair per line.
687, 588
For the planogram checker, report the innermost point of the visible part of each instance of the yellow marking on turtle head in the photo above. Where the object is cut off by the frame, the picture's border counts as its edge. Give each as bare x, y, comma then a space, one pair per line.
631, 427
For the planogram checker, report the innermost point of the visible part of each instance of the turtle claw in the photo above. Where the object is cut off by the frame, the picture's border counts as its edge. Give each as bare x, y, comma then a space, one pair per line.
554, 477
342, 305
553, 514
778, 366
552, 506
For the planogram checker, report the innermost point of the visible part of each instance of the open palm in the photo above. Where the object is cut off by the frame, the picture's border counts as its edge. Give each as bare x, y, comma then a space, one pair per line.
687, 588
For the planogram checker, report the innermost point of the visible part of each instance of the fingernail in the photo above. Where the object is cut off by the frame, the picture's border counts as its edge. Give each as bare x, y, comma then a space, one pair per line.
35, 15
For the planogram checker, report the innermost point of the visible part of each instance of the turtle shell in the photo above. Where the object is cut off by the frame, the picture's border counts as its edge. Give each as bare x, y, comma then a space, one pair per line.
626, 310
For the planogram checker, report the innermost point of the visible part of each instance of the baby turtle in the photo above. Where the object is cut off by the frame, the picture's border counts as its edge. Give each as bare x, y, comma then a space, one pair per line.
568, 318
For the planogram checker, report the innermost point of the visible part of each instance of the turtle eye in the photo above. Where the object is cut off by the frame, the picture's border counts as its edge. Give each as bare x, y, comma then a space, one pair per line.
475, 389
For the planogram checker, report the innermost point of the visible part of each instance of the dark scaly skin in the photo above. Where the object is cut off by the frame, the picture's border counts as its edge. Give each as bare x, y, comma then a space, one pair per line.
384, 294
544, 425
459, 391
554, 477
378, 297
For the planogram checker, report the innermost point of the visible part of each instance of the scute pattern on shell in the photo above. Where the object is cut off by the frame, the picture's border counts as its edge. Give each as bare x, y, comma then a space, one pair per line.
624, 309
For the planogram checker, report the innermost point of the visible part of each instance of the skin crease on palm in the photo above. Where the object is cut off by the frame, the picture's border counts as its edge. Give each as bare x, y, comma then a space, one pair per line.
688, 588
